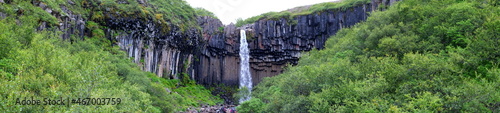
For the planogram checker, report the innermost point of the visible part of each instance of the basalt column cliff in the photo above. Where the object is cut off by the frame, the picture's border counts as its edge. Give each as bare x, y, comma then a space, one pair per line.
273, 43
209, 53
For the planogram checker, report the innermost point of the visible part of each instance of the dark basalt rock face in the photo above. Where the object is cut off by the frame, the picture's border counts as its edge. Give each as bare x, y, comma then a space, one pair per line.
273, 43
167, 54
165, 50
218, 60
277, 43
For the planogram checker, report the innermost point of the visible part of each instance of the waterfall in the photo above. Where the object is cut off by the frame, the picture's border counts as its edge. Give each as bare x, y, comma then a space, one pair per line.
245, 76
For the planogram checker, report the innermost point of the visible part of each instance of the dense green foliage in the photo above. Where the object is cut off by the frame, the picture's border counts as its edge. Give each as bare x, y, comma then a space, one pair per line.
304, 10
41, 65
417, 56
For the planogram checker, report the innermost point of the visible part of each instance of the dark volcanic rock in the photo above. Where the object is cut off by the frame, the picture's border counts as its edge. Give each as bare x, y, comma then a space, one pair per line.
273, 43
217, 61
164, 53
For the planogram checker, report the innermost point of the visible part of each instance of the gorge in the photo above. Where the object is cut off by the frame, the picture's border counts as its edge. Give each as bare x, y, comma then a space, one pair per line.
274, 43
213, 58
166, 56
210, 54
203, 50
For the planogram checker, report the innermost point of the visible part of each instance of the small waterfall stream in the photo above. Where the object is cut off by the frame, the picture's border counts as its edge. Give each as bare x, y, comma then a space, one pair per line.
245, 76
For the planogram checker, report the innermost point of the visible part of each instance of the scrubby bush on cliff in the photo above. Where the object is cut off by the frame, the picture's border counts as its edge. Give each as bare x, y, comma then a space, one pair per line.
417, 56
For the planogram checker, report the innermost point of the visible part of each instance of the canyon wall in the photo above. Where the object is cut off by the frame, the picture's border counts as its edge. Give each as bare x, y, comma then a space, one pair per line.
276, 43
209, 54
166, 54
273, 44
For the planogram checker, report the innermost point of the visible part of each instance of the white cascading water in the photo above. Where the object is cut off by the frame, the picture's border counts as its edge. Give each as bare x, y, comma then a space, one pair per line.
245, 76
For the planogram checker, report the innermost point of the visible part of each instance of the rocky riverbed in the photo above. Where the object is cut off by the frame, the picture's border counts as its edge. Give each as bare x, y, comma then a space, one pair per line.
213, 109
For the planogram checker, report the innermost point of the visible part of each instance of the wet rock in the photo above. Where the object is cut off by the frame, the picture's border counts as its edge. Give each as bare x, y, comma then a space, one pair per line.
210, 55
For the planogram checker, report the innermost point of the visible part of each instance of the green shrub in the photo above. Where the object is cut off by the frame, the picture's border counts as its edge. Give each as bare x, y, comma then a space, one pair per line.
253, 105
417, 56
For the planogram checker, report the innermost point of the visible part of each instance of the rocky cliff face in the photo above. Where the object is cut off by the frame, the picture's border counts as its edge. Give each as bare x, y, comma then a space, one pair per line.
273, 43
210, 55
218, 60
277, 43
164, 53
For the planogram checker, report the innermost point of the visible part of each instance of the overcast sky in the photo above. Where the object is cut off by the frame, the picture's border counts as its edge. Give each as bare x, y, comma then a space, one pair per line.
230, 10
